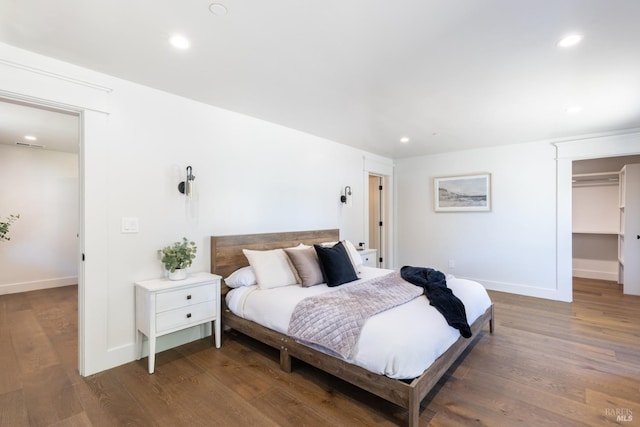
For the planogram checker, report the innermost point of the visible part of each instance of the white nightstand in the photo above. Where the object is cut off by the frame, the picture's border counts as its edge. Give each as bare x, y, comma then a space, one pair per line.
164, 306
369, 257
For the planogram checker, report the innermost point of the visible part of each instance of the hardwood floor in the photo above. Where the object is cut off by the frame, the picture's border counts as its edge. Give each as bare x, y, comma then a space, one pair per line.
548, 363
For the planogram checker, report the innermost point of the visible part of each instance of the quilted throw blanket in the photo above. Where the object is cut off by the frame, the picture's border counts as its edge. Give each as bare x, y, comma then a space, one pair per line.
334, 320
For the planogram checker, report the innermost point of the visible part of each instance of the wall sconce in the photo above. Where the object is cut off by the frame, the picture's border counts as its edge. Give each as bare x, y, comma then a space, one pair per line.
346, 197
186, 187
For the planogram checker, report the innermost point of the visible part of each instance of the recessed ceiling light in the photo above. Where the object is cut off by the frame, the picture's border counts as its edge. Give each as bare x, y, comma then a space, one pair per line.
573, 109
30, 137
570, 40
180, 42
218, 9
404, 139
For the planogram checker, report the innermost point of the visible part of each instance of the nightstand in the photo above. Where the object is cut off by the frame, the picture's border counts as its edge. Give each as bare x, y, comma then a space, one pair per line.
164, 306
369, 257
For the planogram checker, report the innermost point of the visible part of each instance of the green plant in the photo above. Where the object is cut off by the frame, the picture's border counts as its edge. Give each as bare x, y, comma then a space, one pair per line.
179, 255
4, 226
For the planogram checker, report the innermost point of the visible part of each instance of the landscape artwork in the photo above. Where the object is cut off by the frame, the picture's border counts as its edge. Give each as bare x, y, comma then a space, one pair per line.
463, 193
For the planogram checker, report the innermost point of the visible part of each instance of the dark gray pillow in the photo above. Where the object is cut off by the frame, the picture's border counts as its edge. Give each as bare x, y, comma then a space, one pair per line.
335, 264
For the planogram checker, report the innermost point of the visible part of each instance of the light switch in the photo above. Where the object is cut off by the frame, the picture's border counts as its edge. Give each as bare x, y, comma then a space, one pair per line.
129, 225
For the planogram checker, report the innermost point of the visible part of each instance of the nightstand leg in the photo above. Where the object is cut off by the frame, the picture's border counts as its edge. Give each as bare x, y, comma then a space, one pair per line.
152, 354
216, 331
138, 345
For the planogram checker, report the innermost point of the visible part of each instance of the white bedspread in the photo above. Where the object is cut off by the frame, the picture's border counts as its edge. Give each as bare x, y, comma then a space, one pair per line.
400, 343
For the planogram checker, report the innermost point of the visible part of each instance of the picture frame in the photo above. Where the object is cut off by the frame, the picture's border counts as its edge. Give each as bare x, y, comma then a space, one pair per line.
463, 193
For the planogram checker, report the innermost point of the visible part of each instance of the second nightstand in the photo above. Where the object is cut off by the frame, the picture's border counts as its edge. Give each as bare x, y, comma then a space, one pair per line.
369, 257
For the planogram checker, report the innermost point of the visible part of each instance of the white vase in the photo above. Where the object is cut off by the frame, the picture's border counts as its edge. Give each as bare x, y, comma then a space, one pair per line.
179, 274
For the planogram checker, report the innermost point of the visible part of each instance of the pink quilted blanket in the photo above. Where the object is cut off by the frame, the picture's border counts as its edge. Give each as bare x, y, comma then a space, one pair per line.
334, 320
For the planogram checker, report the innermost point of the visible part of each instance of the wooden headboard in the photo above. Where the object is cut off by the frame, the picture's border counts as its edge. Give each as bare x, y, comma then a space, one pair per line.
226, 251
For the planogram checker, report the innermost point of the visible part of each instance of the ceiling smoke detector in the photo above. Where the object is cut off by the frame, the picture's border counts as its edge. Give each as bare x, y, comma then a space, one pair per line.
218, 9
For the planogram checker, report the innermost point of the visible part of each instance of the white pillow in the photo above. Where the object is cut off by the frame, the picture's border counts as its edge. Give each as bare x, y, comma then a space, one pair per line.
271, 267
353, 253
241, 277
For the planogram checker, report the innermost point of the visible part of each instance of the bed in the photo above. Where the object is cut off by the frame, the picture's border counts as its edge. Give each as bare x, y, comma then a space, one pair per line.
405, 387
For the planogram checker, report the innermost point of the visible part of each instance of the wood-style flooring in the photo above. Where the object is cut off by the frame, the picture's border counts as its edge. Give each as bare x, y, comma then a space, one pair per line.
547, 364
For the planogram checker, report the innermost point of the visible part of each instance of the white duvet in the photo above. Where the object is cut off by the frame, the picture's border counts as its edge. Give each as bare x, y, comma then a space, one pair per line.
400, 343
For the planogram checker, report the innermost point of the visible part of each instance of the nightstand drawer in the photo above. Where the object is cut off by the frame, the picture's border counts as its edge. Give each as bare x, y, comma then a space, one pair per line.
184, 297
183, 317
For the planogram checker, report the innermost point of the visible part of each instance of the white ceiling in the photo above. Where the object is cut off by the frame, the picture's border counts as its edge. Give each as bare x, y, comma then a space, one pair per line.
449, 74
56, 131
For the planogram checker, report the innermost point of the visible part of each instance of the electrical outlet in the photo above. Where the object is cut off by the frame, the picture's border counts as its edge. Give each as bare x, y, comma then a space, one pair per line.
452, 263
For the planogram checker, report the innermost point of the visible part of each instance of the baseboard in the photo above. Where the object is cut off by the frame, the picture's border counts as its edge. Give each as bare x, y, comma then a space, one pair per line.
14, 288
126, 353
593, 274
519, 289
595, 269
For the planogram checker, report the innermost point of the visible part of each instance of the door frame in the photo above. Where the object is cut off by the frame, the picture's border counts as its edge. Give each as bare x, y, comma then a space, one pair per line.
385, 171
567, 151
79, 113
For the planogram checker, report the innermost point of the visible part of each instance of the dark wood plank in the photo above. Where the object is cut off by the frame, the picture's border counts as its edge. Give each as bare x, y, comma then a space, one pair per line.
111, 399
10, 377
13, 409
78, 420
49, 396
32, 347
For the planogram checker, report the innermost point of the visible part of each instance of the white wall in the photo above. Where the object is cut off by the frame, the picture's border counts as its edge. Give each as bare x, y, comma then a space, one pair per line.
41, 186
595, 256
512, 247
251, 176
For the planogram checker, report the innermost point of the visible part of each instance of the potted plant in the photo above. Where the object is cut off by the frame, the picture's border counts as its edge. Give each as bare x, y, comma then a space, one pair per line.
4, 226
177, 257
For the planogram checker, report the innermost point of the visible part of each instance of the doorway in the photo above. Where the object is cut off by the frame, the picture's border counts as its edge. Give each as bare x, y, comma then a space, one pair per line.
378, 229
40, 151
566, 153
596, 217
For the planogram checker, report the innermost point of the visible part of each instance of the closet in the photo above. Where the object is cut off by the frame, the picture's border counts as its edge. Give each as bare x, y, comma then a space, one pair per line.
600, 241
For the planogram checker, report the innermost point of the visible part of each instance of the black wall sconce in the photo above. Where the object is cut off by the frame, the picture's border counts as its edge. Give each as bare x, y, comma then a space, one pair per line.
186, 187
346, 197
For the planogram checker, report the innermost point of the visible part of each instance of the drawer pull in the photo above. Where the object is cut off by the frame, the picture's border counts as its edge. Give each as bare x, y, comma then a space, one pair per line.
188, 296
188, 315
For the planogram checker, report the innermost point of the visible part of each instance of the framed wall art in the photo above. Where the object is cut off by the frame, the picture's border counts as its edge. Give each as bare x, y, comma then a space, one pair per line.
466, 193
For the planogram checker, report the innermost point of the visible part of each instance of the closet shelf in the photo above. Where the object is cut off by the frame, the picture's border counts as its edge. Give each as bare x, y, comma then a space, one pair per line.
611, 232
598, 178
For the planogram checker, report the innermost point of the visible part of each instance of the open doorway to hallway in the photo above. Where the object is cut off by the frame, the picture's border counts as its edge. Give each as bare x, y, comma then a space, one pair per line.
39, 164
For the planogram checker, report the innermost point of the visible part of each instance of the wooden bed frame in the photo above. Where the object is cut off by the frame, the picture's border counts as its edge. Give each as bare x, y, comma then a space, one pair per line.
227, 256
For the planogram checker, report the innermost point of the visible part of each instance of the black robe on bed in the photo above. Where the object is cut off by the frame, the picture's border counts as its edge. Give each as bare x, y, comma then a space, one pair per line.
439, 295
